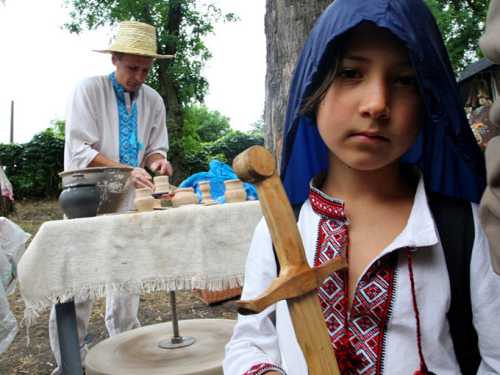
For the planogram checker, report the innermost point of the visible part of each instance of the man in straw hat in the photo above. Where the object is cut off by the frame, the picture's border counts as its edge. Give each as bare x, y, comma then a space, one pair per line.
117, 120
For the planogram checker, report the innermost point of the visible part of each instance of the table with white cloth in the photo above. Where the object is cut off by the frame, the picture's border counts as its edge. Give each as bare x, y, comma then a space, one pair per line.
182, 248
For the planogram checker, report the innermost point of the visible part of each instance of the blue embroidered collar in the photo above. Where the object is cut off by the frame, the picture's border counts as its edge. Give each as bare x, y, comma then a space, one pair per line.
129, 142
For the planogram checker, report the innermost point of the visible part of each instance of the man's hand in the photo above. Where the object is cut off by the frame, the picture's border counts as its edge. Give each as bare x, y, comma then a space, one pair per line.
161, 166
142, 179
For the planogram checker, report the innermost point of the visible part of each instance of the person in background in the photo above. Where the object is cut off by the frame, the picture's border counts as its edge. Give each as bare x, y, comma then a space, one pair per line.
114, 121
490, 203
484, 130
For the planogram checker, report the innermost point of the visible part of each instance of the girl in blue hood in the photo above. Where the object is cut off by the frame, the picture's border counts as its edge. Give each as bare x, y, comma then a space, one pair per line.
374, 127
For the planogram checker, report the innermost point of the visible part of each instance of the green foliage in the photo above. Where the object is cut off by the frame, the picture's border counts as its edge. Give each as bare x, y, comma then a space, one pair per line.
258, 128
462, 23
223, 149
233, 143
207, 136
207, 125
33, 167
58, 127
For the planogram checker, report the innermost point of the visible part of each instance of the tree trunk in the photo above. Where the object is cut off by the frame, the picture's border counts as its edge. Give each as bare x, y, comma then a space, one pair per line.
287, 23
168, 88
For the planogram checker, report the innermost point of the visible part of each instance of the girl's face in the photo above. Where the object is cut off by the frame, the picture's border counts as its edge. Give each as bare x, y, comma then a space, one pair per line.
370, 115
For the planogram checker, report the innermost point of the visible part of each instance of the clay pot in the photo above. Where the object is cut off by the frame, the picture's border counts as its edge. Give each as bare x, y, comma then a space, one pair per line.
206, 196
144, 201
161, 184
235, 191
112, 184
184, 196
79, 200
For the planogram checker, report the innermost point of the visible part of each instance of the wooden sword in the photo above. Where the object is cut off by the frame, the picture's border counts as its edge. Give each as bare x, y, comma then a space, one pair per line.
297, 282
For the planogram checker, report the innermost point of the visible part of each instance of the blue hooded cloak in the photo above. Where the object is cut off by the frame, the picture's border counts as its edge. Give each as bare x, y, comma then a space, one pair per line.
445, 150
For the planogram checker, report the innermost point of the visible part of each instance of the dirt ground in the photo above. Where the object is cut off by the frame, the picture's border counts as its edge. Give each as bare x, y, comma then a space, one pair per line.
154, 308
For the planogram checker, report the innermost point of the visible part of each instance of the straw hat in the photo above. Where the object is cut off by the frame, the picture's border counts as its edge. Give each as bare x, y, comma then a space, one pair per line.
135, 38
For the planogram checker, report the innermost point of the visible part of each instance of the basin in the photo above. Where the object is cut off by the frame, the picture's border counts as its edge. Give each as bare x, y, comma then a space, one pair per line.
93, 191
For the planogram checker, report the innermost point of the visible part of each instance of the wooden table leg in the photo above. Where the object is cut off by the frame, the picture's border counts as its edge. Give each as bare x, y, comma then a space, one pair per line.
68, 339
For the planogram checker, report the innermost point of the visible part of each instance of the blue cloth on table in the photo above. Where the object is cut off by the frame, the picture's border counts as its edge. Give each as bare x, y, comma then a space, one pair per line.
218, 172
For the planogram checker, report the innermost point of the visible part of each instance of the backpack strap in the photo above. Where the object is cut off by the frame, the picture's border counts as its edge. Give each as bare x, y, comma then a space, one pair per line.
455, 224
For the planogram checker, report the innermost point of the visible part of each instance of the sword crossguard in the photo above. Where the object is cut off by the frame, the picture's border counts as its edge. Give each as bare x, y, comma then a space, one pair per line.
292, 282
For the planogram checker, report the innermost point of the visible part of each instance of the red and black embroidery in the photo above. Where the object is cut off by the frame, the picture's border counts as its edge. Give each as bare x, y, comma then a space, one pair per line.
357, 338
262, 368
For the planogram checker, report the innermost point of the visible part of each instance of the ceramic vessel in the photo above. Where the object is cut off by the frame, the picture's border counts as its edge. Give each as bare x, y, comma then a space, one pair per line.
80, 200
184, 196
161, 184
112, 184
235, 192
206, 196
144, 201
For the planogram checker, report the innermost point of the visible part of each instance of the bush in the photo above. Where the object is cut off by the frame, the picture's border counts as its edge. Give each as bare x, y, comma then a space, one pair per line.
33, 167
196, 155
233, 143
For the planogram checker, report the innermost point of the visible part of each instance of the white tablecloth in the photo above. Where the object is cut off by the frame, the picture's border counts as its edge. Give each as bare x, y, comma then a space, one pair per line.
181, 248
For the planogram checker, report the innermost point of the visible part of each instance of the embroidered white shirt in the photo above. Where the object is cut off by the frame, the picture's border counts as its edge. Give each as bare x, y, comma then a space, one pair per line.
257, 340
92, 123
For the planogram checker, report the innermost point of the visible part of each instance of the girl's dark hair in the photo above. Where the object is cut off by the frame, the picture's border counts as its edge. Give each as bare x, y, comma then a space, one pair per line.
323, 78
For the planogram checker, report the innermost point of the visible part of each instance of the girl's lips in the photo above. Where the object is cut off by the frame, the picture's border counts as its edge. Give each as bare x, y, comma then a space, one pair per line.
371, 138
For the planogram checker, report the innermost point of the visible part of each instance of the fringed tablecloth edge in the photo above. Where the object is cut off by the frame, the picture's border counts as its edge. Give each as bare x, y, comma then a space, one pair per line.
33, 309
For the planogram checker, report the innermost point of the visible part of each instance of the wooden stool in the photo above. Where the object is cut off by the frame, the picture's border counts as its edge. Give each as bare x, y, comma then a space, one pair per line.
137, 352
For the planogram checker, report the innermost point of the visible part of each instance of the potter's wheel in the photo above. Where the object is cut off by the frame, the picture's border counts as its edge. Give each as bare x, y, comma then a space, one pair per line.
137, 352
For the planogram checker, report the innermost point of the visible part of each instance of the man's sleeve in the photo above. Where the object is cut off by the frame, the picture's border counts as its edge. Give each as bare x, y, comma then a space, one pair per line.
158, 137
490, 202
484, 285
81, 129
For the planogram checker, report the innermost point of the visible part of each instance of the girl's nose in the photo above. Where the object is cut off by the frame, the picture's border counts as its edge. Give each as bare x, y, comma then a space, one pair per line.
375, 100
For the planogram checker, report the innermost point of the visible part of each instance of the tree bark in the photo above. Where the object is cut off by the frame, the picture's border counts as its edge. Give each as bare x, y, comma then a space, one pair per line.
287, 25
168, 88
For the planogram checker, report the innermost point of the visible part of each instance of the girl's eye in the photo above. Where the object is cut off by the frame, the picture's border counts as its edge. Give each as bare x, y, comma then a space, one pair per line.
409, 80
349, 73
